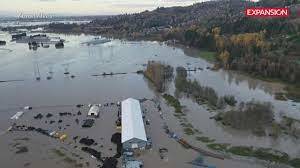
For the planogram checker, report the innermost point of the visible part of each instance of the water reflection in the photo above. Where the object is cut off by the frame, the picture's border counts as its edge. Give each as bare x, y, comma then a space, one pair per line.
236, 77
253, 84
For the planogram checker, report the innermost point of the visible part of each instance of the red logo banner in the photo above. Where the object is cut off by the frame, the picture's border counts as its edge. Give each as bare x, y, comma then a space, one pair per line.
262, 12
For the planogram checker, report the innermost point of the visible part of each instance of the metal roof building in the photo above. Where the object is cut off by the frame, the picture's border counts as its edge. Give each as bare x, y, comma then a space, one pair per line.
133, 129
94, 111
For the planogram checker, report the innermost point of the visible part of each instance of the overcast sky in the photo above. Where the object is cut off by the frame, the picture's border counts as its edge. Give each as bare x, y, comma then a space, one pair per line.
85, 7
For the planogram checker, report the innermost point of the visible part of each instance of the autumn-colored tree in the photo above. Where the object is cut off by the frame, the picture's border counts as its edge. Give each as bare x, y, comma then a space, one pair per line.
224, 57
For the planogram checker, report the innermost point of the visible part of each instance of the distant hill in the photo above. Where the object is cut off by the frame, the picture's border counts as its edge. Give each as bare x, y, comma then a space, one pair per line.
228, 14
206, 12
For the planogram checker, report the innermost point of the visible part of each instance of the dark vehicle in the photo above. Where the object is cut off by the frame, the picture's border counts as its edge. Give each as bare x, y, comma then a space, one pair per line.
59, 45
2, 43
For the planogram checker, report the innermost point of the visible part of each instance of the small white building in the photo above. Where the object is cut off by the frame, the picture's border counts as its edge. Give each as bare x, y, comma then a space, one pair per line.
94, 111
17, 115
133, 129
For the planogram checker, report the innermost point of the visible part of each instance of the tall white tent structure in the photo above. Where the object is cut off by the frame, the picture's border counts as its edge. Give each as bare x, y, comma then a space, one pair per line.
133, 129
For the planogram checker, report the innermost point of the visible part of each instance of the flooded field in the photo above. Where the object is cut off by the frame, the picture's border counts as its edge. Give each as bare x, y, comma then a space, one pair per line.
76, 78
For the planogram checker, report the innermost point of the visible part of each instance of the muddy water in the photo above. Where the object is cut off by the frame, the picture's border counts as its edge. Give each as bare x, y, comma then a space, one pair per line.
18, 62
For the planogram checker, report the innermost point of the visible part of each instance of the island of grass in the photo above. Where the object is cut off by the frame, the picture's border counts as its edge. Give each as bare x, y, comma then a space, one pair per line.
188, 131
295, 162
205, 139
172, 101
218, 147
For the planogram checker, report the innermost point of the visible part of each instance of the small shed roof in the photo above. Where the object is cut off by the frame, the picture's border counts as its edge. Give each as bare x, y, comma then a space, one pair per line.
94, 110
132, 121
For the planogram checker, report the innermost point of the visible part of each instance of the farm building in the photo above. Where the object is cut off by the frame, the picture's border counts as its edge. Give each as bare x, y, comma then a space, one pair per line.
94, 111
133, 130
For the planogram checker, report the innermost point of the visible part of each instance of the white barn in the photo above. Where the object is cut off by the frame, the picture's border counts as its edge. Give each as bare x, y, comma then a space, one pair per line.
133, 129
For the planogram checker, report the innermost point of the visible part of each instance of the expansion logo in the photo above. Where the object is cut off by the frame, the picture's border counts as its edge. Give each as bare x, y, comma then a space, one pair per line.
262, 12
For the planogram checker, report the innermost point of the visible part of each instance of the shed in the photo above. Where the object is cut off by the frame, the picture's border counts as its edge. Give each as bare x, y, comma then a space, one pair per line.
94, 111
133, 129
17, 115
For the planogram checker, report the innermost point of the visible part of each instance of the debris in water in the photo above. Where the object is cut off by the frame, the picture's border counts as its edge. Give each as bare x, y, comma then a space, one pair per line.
93, 152
27, 164
42, 131
140, 72
79, 105
75, 138
162, 152
65, 114
110, 162
39, 116
21, 149
59, 45
63, 137
3, 81
27, 108
87, 141
49, 115
116, 139
88, 123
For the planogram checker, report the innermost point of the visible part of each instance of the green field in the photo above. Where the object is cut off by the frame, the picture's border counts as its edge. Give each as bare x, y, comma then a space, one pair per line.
208, 55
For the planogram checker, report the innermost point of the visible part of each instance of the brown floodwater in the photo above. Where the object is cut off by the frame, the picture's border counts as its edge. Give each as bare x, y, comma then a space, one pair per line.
17, 62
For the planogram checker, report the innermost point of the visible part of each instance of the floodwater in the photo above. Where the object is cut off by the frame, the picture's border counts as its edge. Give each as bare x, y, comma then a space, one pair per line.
17, 62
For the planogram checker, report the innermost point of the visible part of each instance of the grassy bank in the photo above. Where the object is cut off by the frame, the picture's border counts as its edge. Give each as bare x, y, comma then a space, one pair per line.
172, 101
293, 92
208, 55
265, 154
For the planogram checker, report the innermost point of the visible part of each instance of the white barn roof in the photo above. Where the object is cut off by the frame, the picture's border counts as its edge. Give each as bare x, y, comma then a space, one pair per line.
132, 121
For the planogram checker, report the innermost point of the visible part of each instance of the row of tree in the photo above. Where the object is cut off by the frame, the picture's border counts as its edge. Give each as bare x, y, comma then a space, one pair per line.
159, 74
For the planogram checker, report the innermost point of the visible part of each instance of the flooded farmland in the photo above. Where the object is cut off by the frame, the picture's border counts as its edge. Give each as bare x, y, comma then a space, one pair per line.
76, 78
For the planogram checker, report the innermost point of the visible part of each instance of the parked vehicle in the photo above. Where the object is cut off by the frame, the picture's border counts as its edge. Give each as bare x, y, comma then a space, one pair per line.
59, 45
2, 42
